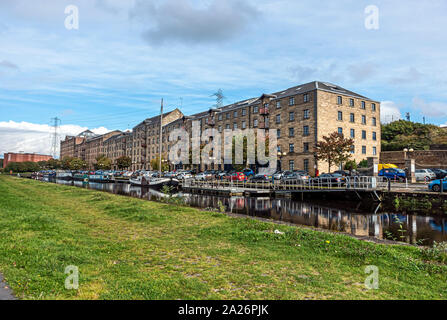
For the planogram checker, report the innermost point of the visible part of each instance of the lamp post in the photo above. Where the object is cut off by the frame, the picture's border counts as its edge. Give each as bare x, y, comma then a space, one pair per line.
281, 155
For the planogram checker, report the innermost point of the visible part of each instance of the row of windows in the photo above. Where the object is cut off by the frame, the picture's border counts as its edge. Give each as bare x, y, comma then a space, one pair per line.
305, 165
352, 118
353, 134
352, 103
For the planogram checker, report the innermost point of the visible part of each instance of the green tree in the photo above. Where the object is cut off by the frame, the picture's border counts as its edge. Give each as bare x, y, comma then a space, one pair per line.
334, 149
65, 163
351, 165
103, 163
155, 164
363, 164
77, 164
123, 162
53, 164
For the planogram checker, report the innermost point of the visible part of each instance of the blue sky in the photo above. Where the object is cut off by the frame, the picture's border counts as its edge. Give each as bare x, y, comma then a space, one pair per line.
127, 55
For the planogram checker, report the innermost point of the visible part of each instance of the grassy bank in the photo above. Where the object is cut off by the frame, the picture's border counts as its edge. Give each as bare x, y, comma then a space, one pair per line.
134, 249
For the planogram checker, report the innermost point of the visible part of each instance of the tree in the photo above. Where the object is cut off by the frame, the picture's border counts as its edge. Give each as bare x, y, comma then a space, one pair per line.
123, 162
103, 163
53, 164
77, 164
155, 164
351, 165
65, 163
43, 164
334, 149
363, 164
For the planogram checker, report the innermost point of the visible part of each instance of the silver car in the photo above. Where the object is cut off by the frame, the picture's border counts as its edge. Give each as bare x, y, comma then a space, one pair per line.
424, 175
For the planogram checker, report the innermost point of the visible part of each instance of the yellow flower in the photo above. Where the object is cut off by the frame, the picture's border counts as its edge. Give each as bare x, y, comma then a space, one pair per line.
328, 242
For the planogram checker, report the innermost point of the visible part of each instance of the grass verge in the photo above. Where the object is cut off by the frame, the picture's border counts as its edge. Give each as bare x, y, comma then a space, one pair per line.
128, 248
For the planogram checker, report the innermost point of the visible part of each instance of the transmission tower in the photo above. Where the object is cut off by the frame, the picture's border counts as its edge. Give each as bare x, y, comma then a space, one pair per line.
55, 136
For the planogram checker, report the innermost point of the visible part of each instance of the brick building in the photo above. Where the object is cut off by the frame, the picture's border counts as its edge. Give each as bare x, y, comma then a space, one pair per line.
24, 157
301, 116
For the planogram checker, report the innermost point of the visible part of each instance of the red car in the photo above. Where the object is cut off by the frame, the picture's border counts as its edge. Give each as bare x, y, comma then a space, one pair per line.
238, 176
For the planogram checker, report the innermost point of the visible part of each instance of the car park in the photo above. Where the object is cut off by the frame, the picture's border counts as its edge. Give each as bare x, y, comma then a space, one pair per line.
331, 179
237, 176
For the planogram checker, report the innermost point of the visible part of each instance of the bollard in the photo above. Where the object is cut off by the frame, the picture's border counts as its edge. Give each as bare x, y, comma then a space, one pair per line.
389, 185
406, 183
442, 186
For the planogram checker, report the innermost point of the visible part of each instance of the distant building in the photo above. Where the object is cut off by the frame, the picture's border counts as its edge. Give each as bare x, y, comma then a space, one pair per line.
24, 157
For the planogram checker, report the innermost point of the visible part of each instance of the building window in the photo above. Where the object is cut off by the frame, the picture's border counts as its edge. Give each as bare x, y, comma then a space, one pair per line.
363, 105
278, 133
339, 100
235, 114
352, 149
340, 131
340, 116
279, 148
363, 149
306, 114
374, 151
206, 120
291, 132
234, 126
306, 147
306, 131
374, 136
220, 117
228, 115
278, 118
351, 102
244, 125
352, 117
306, 97
291, 116
291, 165
363, 134
291, 101
291, 148
220, 129
255, 123
227, 127
374, 122
244, 112
352, 133
306, 165
255, 109
373, 107
363, 119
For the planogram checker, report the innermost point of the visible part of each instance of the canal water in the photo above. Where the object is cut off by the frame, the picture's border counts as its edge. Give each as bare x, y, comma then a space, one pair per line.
347, 217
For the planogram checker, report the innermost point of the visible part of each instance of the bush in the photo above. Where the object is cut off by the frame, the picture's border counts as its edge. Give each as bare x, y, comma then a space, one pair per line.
20, 167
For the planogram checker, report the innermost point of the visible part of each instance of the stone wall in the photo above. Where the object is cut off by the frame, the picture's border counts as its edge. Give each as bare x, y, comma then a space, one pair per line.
424, 159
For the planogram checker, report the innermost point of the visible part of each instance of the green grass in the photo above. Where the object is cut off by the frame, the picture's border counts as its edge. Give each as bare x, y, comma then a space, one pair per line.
128, 248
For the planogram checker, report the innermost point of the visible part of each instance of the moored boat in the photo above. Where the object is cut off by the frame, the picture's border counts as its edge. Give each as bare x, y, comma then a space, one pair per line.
64, 176
154, 183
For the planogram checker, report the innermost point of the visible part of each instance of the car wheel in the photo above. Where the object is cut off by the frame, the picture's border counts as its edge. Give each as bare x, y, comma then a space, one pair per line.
436, 188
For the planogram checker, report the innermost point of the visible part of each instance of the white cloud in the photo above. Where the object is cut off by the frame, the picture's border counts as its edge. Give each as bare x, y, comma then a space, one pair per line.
389, 112
431, 109
31, 137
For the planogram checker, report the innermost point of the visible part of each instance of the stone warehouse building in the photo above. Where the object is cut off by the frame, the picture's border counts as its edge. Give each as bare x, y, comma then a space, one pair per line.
301, 116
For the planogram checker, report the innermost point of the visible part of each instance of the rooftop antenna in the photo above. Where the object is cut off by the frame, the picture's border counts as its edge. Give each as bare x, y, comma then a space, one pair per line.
55, 136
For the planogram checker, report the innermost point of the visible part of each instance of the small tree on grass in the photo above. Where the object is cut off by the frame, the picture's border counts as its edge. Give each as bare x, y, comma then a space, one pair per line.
334, 149
123, 162
350, 165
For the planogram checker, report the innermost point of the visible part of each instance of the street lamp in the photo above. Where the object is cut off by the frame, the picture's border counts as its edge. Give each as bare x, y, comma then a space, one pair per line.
281, 155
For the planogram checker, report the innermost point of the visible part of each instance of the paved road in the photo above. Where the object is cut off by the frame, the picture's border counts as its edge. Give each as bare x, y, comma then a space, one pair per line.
5, 292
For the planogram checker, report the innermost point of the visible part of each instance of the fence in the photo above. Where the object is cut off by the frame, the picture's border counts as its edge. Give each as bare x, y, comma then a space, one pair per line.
316, 184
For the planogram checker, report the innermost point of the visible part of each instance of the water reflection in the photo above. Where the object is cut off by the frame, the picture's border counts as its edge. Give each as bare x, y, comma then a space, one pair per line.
355, 221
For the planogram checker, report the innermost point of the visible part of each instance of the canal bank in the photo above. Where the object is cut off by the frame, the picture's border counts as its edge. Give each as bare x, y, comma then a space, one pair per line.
127, 248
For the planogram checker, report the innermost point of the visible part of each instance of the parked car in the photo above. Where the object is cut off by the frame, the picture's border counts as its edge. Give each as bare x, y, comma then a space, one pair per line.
435, 185
201, 176
424, 175
294, 176
248, 172
393, 173
260, 178
237, 176
331, 179
280, 174
440, 173
184, 175
344, 173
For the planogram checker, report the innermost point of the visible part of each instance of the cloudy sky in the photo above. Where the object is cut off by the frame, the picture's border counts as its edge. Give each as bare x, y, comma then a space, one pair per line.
128, 54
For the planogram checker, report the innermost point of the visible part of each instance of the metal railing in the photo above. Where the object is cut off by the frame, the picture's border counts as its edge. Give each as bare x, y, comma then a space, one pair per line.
315, 184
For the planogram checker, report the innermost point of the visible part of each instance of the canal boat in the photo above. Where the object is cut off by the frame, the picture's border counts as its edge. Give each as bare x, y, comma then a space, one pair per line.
68, 176
154, 183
